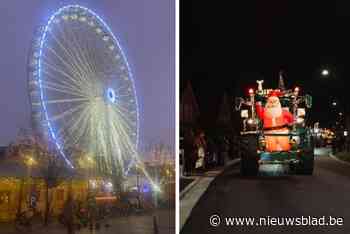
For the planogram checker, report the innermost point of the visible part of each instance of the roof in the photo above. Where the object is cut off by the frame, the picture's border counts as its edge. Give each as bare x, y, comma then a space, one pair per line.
2, 151
19, 170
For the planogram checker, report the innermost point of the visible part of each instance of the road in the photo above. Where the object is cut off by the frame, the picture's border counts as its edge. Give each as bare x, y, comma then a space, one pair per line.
141, 224
326, 193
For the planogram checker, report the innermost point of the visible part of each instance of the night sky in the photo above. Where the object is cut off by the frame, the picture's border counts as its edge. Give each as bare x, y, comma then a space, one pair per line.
228, 45
146, 31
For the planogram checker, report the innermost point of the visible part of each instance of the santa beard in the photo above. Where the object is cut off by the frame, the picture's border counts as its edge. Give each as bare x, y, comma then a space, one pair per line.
273, 112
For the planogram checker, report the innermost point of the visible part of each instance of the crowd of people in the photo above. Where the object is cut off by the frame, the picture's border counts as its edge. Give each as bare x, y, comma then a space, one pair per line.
200, 152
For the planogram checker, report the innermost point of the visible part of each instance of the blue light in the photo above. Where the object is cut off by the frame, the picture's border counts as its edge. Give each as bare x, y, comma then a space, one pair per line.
146, 188
110, 93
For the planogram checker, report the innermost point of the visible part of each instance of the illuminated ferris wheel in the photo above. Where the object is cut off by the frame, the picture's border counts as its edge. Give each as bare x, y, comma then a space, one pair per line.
82, 91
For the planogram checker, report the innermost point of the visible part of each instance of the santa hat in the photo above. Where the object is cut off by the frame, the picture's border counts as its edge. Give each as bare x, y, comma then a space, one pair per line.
275, 93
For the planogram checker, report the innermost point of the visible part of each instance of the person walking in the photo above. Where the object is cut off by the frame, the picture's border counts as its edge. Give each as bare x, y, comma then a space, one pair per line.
189, 152
92, 210
224, 150
201, 146
68, 214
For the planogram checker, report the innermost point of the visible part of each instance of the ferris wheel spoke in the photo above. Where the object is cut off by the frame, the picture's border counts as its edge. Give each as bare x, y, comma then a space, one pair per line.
71, 68
63, 84
76, 139
107, 136
91, 55
122, 118
57, 69
125, 107
127, 120
67, 100
70, 56
121, 88
81, 128
71, 127
122, 133
96, 62
74, 78
64, 87
77, 51
86, 52
66, 113
65, 91
129, 115
103, 63
102, 151
64, 134
124, 96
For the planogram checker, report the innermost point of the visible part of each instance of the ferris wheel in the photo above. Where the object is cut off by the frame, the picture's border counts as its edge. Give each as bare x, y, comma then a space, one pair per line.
82, 91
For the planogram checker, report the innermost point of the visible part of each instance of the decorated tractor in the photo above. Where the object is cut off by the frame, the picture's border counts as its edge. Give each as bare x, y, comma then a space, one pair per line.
273, 130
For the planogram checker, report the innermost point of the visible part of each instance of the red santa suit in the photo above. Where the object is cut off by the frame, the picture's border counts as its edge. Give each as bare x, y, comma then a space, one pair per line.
275, 120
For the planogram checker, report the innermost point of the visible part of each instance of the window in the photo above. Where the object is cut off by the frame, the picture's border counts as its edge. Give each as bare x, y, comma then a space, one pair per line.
60, 194
4, 198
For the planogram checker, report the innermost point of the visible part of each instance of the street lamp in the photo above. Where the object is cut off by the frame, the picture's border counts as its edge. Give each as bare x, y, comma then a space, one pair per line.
156, 188
89, 162
30, 161
325, 72
156, 191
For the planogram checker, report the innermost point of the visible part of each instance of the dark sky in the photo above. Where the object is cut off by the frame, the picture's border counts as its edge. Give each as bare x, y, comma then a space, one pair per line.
146, 31
226, 46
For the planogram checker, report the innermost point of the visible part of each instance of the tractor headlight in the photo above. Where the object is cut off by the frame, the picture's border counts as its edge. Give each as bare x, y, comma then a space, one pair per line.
297, 139
251, 124
262, 143
244, 114
300, 120
250, 121
301, 112
294, 142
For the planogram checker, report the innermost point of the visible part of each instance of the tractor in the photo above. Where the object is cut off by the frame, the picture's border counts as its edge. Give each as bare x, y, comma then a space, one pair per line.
274, 130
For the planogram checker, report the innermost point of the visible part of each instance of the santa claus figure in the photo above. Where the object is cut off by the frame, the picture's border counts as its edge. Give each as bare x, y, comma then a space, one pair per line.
275, 120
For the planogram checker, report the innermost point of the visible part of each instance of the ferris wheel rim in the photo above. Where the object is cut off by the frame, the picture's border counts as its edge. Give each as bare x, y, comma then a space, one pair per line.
40, 75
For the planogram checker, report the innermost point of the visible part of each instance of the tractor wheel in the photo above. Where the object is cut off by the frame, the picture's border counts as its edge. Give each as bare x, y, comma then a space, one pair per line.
306, 166
249, 156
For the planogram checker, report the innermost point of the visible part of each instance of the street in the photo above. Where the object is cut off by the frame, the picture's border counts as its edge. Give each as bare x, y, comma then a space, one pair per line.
142, 224
326, 193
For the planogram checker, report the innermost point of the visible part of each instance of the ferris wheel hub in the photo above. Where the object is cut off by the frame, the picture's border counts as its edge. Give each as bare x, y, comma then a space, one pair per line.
111, 97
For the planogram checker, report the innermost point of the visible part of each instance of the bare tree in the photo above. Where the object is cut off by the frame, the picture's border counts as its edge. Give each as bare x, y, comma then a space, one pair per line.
52, 175
35, 153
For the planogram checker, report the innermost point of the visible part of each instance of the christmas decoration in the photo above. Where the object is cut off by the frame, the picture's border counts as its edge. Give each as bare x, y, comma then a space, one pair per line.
275, 120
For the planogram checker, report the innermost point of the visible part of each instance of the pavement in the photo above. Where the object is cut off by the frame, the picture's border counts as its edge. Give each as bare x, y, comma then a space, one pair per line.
184, 182
190, 195
326, 193
140, 224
